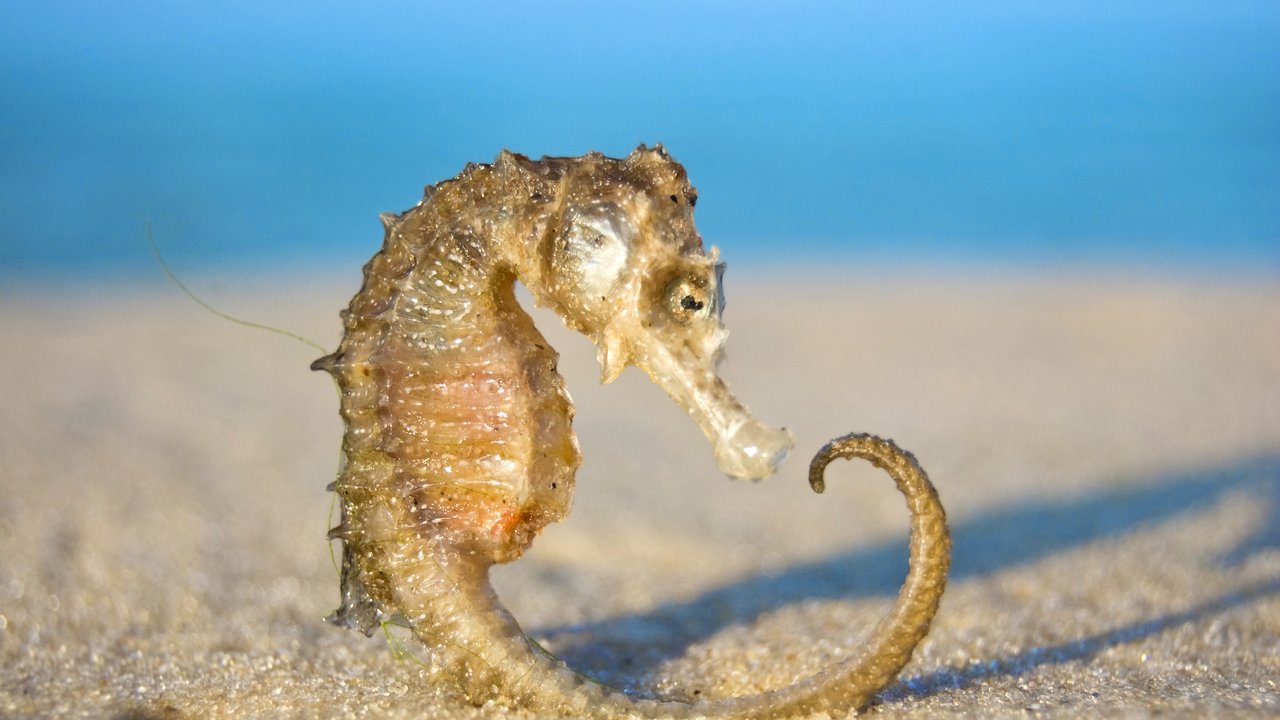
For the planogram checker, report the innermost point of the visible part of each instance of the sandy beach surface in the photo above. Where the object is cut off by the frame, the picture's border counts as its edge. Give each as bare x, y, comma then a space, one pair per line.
1108, 449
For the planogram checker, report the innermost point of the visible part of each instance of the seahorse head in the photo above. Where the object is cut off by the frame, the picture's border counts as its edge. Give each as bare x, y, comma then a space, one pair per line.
623, 263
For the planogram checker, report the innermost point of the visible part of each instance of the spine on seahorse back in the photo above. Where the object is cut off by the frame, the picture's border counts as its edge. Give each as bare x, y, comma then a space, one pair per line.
458, 447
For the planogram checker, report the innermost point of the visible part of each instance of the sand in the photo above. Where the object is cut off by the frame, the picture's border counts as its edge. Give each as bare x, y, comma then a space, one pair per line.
1108, 449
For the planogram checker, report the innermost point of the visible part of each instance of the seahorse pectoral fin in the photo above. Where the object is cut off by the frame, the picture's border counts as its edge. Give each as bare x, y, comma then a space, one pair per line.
745, 448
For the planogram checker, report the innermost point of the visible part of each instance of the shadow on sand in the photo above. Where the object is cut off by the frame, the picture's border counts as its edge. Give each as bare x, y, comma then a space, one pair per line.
996, 540
1082, 649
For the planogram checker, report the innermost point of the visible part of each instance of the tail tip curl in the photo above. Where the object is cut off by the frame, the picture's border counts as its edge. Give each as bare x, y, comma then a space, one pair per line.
853, 445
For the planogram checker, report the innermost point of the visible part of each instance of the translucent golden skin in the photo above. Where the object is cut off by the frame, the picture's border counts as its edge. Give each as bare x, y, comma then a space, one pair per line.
459, 448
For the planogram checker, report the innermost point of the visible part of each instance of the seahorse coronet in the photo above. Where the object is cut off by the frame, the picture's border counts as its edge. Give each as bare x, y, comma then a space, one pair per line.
458, 446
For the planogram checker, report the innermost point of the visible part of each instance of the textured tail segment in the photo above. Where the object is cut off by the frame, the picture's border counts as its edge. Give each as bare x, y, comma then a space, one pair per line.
889, 648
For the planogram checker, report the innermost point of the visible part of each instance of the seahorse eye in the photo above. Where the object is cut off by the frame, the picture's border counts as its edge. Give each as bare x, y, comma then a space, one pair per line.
688, 298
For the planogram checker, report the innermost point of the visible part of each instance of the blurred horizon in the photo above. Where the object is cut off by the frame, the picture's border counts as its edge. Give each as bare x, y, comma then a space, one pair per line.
1137, 136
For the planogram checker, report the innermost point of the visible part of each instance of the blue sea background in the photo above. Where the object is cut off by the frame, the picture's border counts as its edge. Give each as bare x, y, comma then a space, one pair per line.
1134, 136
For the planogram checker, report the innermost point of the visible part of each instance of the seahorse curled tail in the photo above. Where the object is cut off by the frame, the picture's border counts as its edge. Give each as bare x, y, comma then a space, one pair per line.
480, 646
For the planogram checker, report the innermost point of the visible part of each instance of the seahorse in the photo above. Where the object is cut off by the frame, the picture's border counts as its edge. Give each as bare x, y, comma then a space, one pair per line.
458, 447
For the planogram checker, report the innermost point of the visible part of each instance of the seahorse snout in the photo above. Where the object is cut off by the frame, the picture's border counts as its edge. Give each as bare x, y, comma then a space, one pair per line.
745, 447
752, 450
